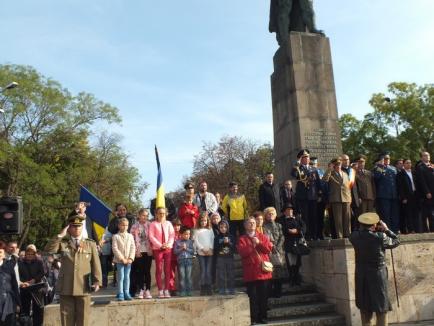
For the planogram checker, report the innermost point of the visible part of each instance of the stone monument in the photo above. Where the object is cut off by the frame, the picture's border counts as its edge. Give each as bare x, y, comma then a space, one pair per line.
303, 96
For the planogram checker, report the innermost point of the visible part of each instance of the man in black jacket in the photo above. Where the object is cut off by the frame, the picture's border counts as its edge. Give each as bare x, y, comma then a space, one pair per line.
269, 193
120, 212
425, 185
370, 243
406, 182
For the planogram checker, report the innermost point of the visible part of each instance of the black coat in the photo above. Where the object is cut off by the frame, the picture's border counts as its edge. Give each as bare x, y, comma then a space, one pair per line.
286, 198
7, 274
371, 272
269, 196
31, 270
308, 182
113, 224
291, 223
425, 179
405, 190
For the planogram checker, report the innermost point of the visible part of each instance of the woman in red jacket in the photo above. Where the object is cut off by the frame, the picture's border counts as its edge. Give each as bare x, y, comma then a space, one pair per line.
254, 248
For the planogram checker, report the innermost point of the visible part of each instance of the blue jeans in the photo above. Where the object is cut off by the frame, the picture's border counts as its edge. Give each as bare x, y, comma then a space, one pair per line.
205, 269
123, 278
184, 271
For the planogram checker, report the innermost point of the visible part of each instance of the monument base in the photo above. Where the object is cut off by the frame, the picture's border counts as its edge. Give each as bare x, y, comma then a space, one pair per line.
304, 102
331, 265
214, 310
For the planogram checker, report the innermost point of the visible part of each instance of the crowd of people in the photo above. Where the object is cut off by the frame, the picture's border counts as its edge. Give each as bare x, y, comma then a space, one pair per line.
211, 230
402, 194
27, 281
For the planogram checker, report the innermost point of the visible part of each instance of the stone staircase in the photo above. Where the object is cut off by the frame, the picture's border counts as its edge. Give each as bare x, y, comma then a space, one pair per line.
298, 306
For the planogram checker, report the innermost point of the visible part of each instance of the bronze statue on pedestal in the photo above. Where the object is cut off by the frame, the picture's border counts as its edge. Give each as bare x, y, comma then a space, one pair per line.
291, 15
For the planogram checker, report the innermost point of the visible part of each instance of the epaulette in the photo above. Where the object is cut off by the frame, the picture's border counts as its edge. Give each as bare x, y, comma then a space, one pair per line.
91, 240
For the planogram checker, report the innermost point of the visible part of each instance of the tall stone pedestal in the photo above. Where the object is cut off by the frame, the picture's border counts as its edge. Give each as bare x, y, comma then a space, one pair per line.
304, 102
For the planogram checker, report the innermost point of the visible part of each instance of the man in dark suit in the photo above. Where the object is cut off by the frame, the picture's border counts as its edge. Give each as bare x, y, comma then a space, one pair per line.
387, 203
365, 187
269, 193
406, 181
286, 195
306, 192
425, 185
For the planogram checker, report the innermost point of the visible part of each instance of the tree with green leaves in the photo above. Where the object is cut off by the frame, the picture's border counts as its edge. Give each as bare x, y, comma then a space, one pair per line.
401, 123
46, 151
233, 159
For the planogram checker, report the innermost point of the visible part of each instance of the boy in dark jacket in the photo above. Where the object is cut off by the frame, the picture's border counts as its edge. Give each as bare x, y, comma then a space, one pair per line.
224, 248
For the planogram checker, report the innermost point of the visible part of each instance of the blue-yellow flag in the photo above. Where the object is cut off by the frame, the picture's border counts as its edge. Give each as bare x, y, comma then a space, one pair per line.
160, 202
98, 212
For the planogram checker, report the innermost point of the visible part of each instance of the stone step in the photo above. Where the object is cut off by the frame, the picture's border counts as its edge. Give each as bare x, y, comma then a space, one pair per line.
320, 320
294, 299
300, 310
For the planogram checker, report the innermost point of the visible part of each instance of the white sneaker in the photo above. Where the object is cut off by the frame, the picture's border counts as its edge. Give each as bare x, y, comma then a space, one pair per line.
167, 294
161, 294
140, 295
148, 294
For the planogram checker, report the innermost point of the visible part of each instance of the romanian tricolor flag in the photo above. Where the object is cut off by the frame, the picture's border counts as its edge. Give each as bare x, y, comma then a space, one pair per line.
98, 212
160, 202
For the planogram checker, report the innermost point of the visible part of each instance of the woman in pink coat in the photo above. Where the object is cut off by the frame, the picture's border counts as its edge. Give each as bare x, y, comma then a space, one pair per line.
161, 237
254, 248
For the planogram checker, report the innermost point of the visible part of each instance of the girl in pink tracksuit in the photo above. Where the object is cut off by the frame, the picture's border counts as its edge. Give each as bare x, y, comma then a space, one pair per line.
161, 238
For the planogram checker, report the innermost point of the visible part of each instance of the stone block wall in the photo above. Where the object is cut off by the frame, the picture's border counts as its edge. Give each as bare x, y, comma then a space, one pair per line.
331, 266
215, 310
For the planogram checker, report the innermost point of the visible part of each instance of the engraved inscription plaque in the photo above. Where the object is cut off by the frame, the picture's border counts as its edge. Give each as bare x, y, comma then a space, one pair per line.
323, 144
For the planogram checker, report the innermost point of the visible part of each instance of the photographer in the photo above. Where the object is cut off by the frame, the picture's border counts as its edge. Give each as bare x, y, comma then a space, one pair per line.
370, 243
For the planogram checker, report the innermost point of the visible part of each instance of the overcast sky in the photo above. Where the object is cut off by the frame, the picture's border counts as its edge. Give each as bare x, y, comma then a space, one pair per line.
185, 72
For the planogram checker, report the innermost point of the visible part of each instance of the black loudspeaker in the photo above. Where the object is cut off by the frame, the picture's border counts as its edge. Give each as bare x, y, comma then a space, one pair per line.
11, 215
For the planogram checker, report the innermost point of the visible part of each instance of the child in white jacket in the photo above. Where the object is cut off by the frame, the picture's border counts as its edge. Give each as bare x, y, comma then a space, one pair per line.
204, 243
124, 251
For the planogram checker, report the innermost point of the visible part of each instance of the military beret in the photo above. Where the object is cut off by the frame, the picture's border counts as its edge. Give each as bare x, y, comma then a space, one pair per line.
302, 153
360, 158
369, 218
75, 220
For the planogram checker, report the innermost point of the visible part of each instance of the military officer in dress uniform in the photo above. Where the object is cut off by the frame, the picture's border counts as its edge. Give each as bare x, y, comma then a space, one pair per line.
387, 203
365, 187
306, 192
370, 243
80, 272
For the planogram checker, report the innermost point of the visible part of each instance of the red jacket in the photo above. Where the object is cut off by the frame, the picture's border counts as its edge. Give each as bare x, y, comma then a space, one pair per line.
252, 270
188, 219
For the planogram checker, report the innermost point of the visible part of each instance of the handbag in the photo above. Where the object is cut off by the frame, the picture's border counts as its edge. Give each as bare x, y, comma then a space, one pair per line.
266, 266
300, 247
